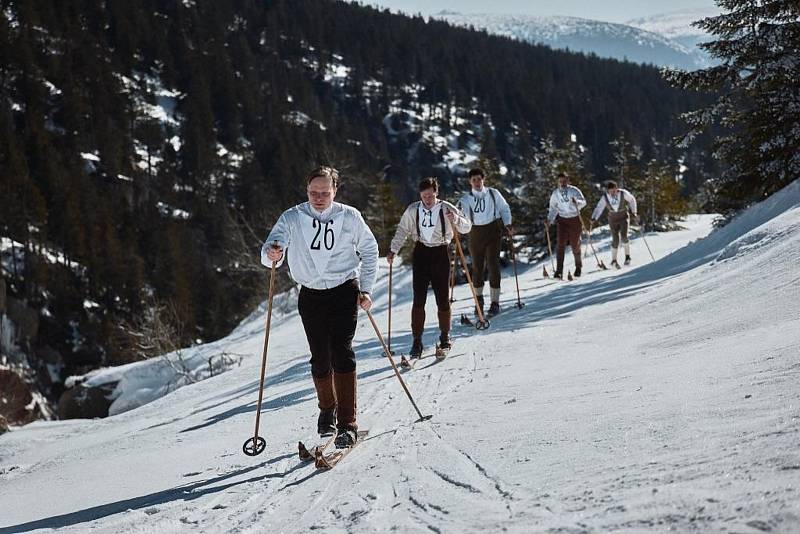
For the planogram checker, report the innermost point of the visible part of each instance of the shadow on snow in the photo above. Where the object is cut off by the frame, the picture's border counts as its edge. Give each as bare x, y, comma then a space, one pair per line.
187, 492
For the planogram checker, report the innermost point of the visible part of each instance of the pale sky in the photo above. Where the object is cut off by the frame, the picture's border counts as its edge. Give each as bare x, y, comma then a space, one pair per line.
606, 10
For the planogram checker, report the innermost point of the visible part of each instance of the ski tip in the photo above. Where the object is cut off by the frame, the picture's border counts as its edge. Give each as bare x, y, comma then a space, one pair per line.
303, 452
320, 462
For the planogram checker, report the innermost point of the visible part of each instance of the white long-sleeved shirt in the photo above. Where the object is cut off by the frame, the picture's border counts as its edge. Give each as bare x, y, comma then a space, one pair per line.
485, 206
408, 225
613, 202
325, 249
561, 203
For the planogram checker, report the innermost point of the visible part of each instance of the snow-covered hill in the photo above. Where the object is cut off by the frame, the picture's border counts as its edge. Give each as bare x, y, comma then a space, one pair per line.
660, 397
677, 25
605, 39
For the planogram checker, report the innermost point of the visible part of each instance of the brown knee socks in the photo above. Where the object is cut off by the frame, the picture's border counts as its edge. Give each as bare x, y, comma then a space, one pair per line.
345, 384
444, 321
326, 395
417, 322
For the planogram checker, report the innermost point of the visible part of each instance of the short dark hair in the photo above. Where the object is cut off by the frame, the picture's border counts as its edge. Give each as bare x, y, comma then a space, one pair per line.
475, 171
611, 184
324, 172
562, 173
428, 183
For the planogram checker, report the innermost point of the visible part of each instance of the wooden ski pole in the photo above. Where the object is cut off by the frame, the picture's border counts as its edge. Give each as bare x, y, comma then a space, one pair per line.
256, 445
482, 322
389, 326
453, 266
600, 263
550, 250
394, 366
641, 232
514, 262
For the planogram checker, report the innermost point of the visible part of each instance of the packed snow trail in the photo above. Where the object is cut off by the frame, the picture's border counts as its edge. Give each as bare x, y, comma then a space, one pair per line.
662, 396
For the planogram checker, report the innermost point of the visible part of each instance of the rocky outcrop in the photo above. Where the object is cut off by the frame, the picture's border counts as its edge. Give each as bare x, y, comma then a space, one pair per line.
3, 297
18, 405
25, 319
3, 425
82, 402
51, 365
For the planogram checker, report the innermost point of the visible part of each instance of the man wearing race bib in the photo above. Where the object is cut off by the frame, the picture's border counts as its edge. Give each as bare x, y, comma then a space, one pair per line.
491, 217
429, 222
618, 202
566, 204
333, 255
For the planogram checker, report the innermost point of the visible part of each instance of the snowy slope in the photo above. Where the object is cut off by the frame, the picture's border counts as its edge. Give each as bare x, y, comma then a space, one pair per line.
661, 397
606, 39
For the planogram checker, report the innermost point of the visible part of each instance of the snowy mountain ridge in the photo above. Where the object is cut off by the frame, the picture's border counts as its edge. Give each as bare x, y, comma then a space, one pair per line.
658, 397
605, 39
676, 25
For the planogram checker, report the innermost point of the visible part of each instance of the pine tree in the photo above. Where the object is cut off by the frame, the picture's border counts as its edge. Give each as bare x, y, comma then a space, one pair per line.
383, 212
757, 43
530, 208
626, 168
24, 213
659, 195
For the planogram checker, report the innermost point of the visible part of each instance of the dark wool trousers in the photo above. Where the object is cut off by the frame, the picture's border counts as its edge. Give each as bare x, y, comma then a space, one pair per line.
569, 233
329, 319
618, 222
484, 247
430, 267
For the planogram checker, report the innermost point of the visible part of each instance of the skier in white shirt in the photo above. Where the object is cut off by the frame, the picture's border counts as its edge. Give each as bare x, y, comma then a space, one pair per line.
491, 218
333, 255
430, 222
619, 204
566, 203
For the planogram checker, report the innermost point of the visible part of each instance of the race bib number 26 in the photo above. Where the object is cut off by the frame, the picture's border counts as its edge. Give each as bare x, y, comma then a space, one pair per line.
324, 236
321, 238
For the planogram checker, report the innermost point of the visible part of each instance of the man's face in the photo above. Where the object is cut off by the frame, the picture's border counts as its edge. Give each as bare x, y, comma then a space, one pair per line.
428, 197
613, 191
563, 181
321, 193
476, 181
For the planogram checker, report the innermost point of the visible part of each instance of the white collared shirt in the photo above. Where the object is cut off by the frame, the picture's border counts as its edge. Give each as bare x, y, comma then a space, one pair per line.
484, 206
561, 203
324, 254
408, 226
615, 201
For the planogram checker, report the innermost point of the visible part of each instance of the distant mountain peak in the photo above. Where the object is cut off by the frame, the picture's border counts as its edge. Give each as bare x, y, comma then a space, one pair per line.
605, 39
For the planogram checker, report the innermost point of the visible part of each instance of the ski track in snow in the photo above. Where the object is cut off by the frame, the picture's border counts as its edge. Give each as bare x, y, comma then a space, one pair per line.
659, 397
